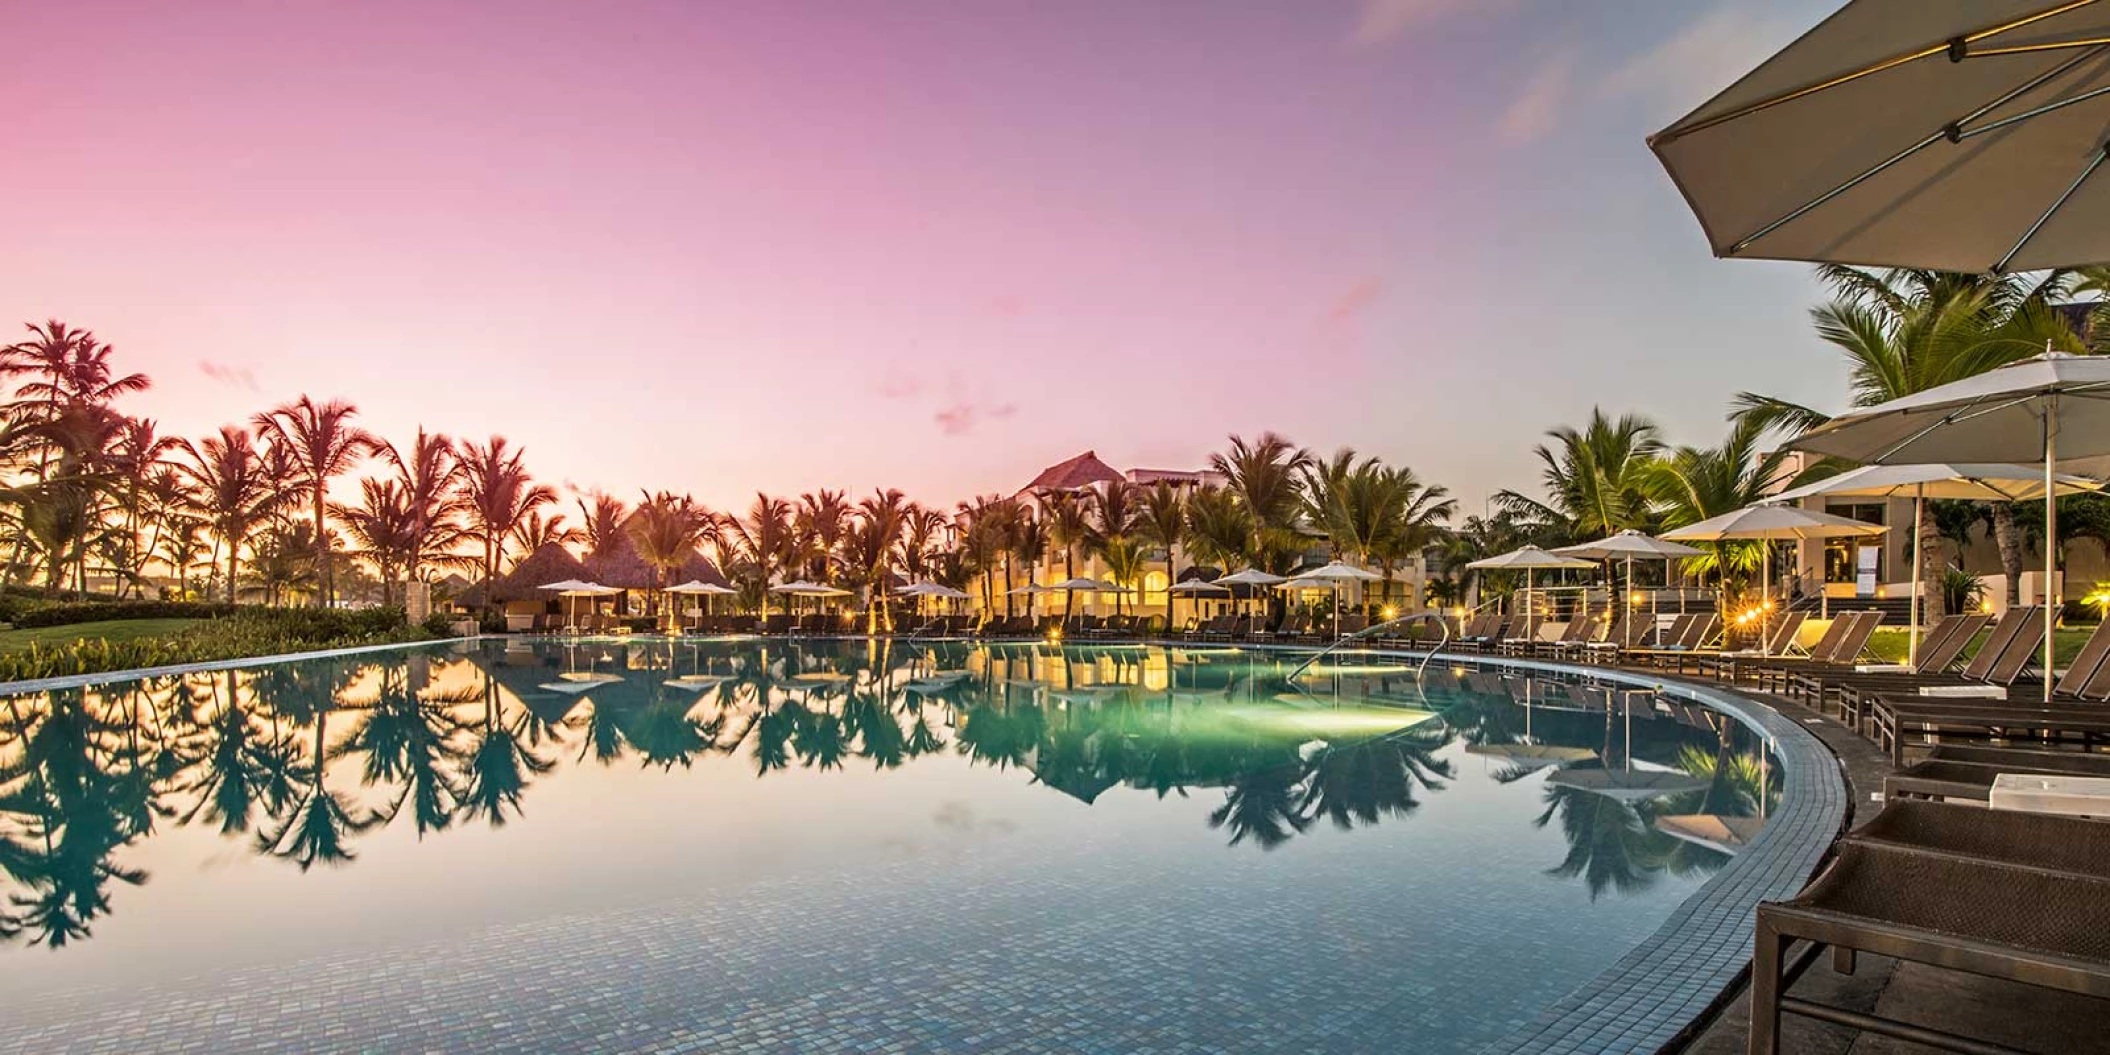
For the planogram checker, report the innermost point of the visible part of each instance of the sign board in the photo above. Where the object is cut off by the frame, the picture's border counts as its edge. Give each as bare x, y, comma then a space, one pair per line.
1865, 558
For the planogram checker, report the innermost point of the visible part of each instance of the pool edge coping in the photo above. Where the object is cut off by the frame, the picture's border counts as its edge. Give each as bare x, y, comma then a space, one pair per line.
1656, 995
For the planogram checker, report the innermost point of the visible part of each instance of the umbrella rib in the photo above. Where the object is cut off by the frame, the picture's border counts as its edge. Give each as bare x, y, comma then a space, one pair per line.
2094, 163
1954, 47
1952, 131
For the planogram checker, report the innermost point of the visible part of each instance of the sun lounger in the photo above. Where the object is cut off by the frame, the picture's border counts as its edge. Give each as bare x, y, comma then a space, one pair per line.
2033, 925
1965, 773
1939, 651
1842, 645
1999, 665
1689, 634
1779, 640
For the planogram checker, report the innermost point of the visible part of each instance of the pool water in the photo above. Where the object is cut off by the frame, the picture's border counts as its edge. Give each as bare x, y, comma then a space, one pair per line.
684, 845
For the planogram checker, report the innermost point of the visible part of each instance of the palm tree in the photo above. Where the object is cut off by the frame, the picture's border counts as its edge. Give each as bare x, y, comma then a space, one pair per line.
665, 531
1906, 331
1068, 524
233, 494
1219, 527
868, 549
819, 524
497, 494
1264, 475
601, 517
765, 540
1162, 520
429, 476
985, 533
1691, 484
382, 529
1593, 476
325, 444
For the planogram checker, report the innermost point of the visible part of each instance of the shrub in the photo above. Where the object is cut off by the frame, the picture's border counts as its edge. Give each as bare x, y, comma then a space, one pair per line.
245, 633
66, 613
1961, 591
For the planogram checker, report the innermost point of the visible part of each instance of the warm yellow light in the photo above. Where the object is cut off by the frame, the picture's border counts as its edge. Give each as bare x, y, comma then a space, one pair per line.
1986, 607
1634, 598
1388, 613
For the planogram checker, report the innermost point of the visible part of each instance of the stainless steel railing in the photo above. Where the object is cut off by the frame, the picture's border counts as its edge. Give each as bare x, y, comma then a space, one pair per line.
1367, 631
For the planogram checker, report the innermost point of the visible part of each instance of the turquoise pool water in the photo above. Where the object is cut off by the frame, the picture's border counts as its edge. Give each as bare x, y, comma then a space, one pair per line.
840, 846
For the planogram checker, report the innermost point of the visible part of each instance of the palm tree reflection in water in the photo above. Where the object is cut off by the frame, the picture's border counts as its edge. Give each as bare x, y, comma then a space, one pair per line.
303, 759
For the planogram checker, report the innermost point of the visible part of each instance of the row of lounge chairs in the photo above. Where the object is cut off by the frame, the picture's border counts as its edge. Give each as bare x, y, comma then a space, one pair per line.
2023, 897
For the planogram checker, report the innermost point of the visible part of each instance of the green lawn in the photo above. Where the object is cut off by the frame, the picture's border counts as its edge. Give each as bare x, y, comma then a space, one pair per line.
111, 630
1889, 643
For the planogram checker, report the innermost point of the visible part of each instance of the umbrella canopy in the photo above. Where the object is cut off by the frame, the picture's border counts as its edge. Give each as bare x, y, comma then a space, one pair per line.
1197, 586
809, 589
1250, 577
697, 587
2035, 410
1958, 135
931, 589
1996, 416
1336, 572
1772, 522
1629, 544
1979, 482
1083, 583
1528, 558
1625, 786
579, 588
1029, 590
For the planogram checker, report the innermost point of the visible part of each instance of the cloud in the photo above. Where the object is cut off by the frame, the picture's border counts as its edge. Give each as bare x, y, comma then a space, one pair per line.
960, 418
228, 374
1700, 59
898, 385
1536, 111
1709, 54
1382, 21
1356, 300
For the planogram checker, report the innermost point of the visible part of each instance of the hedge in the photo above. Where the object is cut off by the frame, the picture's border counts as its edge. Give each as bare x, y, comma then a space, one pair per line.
246, 633
66, 613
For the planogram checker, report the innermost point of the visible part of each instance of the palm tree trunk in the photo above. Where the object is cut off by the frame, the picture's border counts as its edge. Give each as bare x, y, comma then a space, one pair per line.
2009, 542
1932, 602
323, 581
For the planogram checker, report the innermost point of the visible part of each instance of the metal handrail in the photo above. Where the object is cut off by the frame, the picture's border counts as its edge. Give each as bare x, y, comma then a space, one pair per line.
1324, 652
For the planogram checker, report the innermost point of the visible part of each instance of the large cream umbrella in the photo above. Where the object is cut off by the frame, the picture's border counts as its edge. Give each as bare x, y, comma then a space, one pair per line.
1956, 135
1971, 481
1251, 577
1193, 586
1770, 523
1529, 559
699, 588
1629, 546
2038, 410
575, 588
1330, 575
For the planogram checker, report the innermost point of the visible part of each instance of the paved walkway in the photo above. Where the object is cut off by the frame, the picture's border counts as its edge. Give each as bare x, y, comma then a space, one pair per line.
2018, 1016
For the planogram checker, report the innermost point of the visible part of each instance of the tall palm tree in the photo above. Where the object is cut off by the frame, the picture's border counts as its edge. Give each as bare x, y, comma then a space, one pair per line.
325, 444
1691, 484
1067, 520
601, 518
1905, 331
665, 530
497, 494
766, 540
868, 549
429, 476
1593, 475
382, 529
233, 494
985, 533
1264, 475
1219, 527
1162, 520
821, 519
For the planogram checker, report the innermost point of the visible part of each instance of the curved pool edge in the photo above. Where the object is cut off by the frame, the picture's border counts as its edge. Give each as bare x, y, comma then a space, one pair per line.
1664, 989
79, 681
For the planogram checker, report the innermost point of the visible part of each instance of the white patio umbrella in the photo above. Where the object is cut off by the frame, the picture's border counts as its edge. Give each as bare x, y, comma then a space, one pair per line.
699, 588
573, 588
1196, 587
1528, 559
1630, 545
1250, 577
1971, 481
1957, 135
1332, 575
2038, 410
1771, 523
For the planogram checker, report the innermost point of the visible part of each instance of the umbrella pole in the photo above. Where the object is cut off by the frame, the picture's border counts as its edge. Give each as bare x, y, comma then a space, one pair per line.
1919, 560
1765, 594
2051, 531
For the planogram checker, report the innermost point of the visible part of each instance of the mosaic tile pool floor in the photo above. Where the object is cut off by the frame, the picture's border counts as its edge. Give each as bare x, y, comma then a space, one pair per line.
943, 904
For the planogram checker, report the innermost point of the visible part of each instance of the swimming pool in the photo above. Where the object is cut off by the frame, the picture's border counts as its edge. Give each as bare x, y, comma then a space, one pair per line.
681, 845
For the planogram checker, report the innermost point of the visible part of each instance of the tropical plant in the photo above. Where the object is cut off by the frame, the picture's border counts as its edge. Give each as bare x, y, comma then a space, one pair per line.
324, 445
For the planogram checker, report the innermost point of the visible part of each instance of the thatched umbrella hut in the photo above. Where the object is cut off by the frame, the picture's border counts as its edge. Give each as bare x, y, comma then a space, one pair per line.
618, 563
520, 591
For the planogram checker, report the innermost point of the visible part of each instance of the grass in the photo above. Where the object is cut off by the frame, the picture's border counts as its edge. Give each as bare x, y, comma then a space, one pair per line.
106, 630
1889, 643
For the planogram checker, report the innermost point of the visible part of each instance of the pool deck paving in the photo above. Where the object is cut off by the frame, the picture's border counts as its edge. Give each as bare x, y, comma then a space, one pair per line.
2023, 1017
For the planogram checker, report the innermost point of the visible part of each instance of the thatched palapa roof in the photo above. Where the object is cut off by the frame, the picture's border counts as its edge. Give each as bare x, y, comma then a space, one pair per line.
550, 563
618, 563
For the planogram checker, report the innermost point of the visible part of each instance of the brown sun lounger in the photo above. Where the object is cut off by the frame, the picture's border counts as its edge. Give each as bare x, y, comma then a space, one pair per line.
1833, 652
1939, 651
2008, 652
1965, 772
2033, 925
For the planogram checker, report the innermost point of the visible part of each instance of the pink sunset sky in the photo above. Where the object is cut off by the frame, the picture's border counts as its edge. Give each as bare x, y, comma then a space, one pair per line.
722, 247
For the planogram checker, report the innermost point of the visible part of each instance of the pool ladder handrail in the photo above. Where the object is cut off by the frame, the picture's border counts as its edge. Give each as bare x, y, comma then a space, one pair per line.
1368, 630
